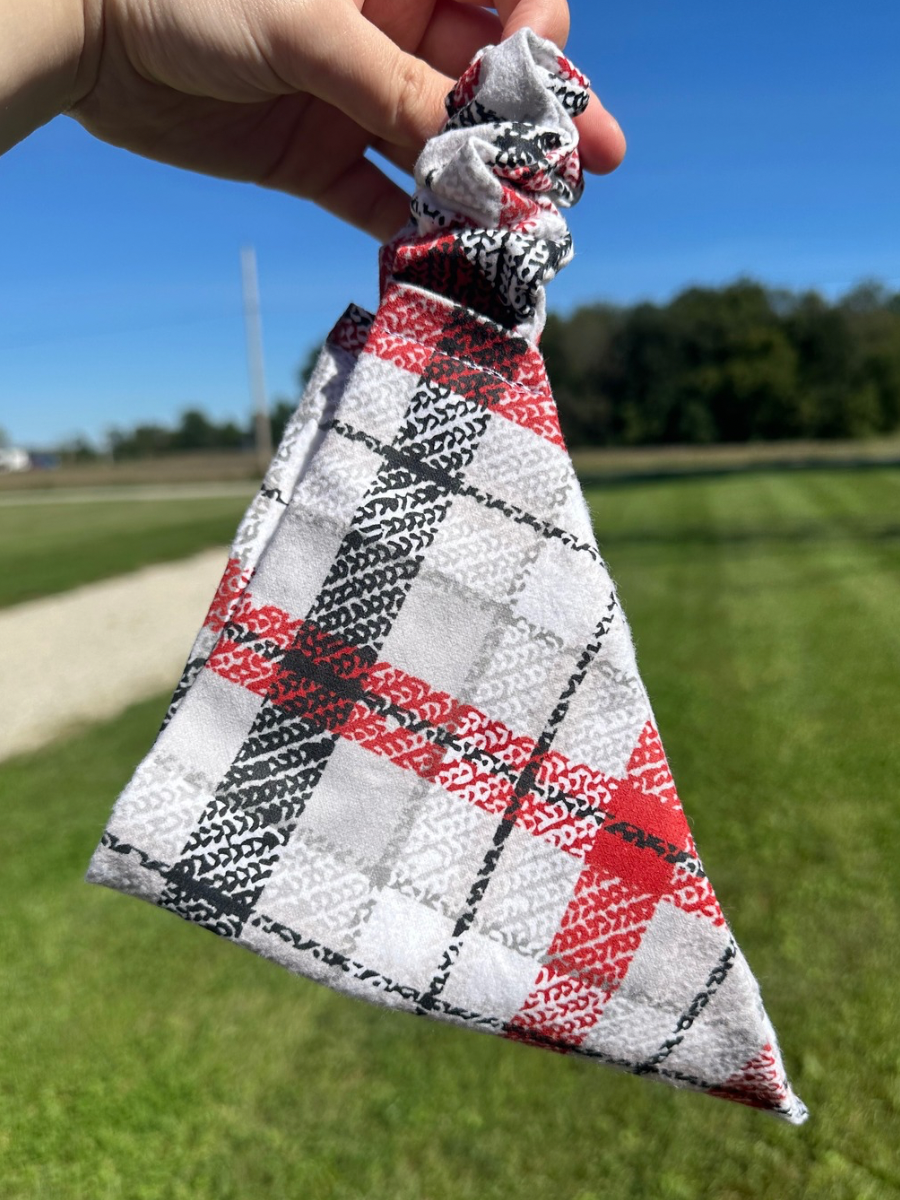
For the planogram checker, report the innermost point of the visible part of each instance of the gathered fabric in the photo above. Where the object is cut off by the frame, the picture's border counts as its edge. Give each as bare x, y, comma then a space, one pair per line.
411, 756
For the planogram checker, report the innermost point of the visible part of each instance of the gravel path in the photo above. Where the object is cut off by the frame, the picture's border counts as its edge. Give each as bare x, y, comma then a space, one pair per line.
73, 659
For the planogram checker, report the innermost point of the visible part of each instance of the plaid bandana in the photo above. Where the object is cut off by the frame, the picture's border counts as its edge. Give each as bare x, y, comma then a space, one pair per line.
411, 756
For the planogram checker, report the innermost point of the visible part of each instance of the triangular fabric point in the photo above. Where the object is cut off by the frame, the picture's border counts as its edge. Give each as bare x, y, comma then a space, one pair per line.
411, 756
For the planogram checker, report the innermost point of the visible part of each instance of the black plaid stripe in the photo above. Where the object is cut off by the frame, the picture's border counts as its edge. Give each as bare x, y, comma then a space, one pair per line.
525, 784
386, 989
457, 485
243, 831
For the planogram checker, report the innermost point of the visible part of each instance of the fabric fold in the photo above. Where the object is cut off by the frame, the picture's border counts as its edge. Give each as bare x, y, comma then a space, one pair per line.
487, 229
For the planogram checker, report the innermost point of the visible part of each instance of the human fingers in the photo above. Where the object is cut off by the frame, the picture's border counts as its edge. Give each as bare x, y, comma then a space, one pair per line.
602, 143
401, 157
365, 197
354, 66
452, 38
601, 140
361, 70
548, 18
456, 32
312, 150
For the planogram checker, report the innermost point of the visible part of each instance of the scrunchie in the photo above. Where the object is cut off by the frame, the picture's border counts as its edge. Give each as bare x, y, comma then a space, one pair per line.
487, 229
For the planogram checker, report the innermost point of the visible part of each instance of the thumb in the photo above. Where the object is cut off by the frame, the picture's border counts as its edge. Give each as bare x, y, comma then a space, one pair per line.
352, 65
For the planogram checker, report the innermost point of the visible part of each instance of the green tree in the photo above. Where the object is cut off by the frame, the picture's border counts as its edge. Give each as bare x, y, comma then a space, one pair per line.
732, 364
144, 441
739, 380
78, 450
874, 321
195, 432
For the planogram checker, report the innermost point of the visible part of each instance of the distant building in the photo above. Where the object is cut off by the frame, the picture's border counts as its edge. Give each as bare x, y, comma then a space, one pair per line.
14, 458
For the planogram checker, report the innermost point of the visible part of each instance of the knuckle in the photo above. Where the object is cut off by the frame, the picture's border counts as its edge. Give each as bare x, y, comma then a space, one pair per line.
411, 101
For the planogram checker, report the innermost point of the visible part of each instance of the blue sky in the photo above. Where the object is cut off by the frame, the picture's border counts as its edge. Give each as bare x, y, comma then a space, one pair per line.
764, 140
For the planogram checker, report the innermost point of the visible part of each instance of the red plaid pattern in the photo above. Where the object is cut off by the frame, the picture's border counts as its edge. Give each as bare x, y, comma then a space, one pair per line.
411, 755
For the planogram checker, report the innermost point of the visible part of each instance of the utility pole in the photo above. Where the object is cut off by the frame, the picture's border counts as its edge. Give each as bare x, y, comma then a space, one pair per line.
253, 327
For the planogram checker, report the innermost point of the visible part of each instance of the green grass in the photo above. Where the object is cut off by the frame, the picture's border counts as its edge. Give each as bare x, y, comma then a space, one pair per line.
144, 1059
47, 548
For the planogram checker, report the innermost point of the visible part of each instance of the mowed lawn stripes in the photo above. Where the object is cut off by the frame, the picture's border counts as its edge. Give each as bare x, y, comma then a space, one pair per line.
49, 548
772, 661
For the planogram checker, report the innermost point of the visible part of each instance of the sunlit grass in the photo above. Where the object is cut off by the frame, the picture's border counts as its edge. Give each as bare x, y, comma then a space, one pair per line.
144, 1059
47, 548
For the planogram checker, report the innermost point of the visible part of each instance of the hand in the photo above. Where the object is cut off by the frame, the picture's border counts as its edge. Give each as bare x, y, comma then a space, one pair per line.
289, 94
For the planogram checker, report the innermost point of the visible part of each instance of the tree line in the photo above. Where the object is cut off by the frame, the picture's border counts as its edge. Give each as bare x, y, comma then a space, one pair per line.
734, 364
193, 433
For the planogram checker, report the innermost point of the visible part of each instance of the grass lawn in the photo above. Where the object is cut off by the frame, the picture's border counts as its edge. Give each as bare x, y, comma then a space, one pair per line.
144, 1059
48, 548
